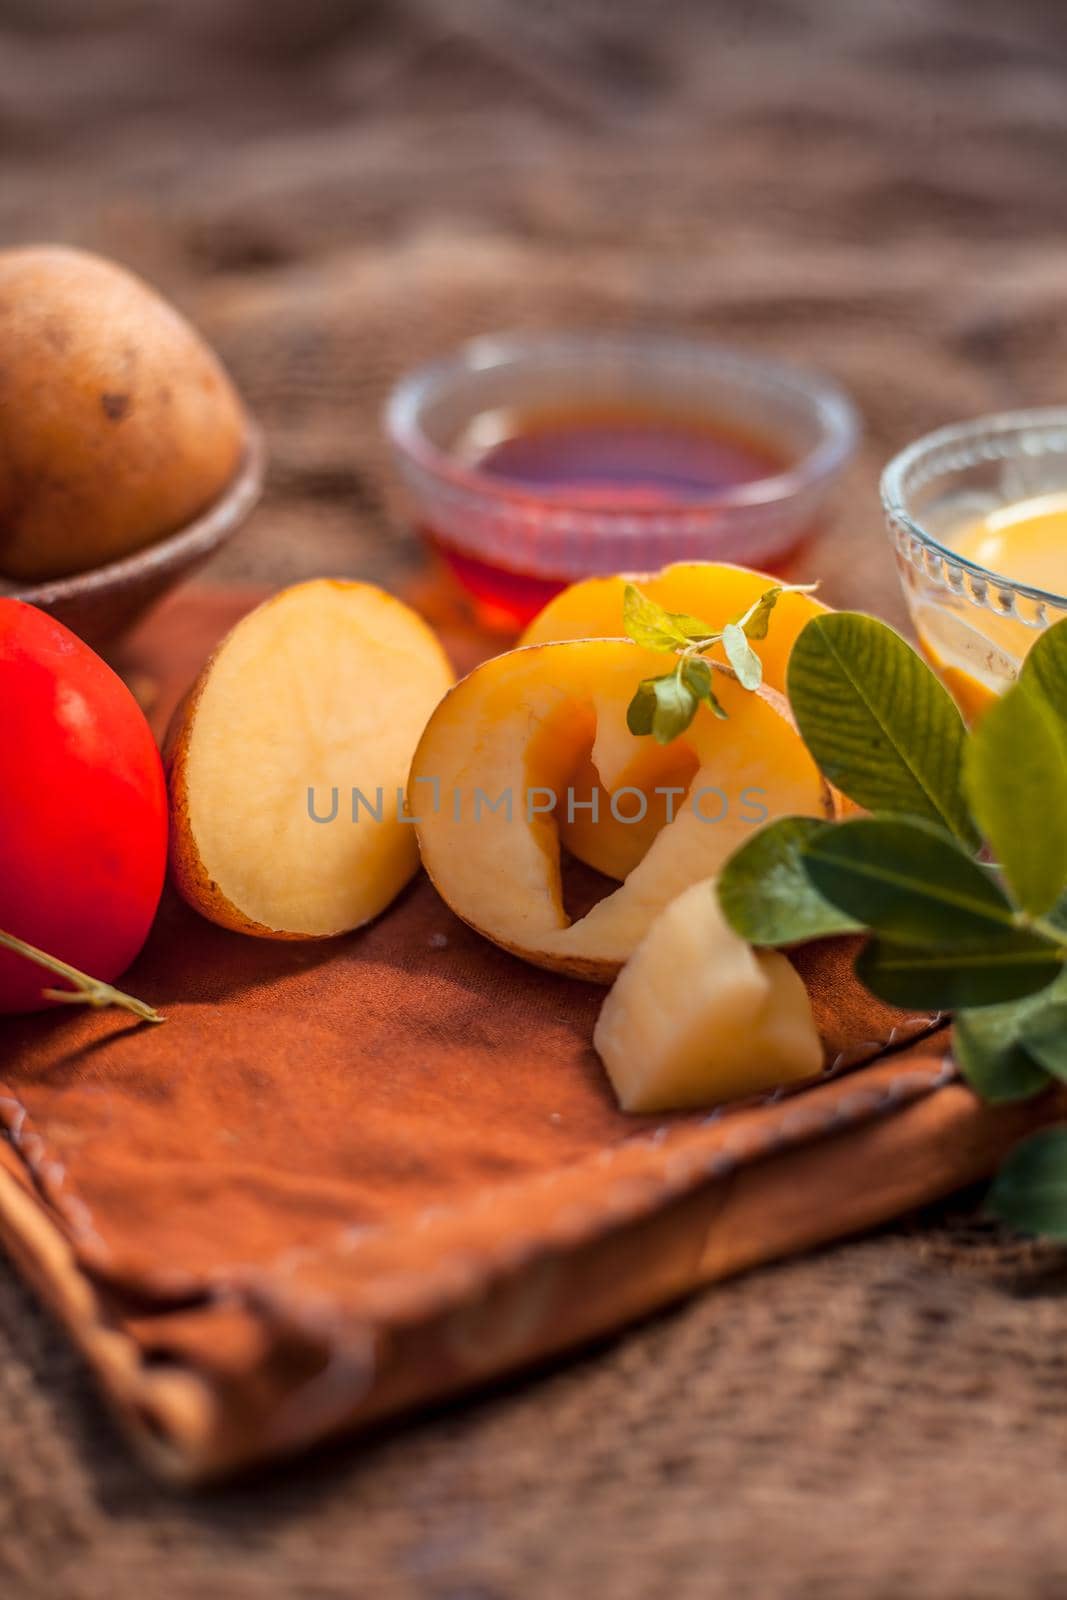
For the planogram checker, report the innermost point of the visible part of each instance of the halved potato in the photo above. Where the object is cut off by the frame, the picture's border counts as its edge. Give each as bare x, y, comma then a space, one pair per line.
714, 591
513, 735
289, 760
697, 1017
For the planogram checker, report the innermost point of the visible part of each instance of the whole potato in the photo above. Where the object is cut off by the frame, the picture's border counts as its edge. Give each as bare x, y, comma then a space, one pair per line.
117, 423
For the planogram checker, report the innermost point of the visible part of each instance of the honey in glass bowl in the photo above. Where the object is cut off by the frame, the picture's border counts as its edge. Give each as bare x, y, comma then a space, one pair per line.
601, 458
1026, 542
978, 515
533, 461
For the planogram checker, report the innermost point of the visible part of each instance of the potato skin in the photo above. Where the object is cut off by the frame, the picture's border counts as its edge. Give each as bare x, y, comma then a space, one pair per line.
118, 424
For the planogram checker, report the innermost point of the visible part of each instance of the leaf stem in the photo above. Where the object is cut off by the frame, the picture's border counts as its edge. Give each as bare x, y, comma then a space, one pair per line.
1049, 929
697, 647
86, 990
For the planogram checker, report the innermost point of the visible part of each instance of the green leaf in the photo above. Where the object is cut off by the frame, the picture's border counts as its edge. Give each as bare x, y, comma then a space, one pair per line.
696, 675
648, 624
741, 656
998, 1075
910, 882
759, 619
1015, 772
921, 979
665, 707
1030, 1190
1045, 667
675, 708
1044, 1037
767, 896
877, 721
987, 1044
756, 620
642, 708
1006, 1052
692, 627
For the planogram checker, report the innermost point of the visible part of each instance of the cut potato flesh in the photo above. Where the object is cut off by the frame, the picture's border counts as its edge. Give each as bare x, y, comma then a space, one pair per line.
290, 759
715, 592
697, 1017
592, 834
493, 769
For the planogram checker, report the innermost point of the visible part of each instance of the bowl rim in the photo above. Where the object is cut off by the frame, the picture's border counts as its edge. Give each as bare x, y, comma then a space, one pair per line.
200, 537
891, 486
837, 415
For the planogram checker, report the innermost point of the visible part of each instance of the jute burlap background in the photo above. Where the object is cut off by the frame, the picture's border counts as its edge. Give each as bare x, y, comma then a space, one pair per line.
334, 190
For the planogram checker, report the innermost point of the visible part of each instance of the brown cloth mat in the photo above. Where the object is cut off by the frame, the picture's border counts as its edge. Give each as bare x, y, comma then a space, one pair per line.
335, 190
354, 1175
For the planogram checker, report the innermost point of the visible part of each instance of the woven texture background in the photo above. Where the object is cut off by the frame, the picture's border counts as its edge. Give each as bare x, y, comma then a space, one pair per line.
334, 190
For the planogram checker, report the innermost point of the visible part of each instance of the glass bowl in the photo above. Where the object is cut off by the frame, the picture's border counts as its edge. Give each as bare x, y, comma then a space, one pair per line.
974, 625
522, 543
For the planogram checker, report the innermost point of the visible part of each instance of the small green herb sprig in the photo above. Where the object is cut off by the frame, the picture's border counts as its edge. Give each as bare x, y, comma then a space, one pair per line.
958, 876
665, 706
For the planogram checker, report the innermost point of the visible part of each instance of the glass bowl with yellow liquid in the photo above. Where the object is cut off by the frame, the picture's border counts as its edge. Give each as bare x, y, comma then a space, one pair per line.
977, 514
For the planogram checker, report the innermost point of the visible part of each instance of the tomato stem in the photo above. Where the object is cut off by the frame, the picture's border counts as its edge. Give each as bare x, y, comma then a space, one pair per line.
85, 991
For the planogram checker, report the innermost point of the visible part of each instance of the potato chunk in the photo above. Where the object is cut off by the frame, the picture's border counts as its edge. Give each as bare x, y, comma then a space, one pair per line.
517, 741
697, 1017
593, 609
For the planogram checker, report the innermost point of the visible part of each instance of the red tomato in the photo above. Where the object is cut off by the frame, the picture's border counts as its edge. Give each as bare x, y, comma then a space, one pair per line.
83, 808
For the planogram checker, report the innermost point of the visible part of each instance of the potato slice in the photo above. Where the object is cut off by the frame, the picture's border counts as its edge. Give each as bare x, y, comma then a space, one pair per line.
592, 609
290, 757
697, 1017
507, 742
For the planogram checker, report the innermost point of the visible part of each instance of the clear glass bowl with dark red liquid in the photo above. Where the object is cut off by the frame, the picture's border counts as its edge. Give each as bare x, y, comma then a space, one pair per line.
534, 460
